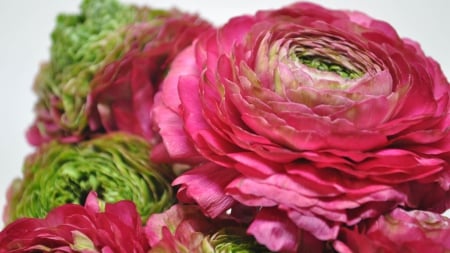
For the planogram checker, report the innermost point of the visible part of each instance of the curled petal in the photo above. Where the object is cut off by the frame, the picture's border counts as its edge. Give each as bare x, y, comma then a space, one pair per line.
205, 184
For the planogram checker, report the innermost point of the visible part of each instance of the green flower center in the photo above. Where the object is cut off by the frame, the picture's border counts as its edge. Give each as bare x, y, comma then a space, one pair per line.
324, 63
329, 53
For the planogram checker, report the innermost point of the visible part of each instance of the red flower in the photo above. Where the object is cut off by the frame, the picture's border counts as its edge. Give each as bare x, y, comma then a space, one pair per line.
122, 97
109, 83
74, 228
400, 231
327, 117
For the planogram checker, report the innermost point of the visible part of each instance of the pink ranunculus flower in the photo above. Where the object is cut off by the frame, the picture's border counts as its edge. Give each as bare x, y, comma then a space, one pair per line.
327, 117
74, 228
106, 63
122, 94
400, 231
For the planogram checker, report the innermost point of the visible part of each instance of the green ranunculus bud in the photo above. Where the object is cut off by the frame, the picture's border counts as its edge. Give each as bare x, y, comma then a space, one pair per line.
232, 240
116, 166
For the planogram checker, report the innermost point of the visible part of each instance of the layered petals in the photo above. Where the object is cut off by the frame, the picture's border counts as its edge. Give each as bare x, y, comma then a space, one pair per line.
123, 91
116, 166
399, 231
184, 228
327, 116
115, 227
105, 66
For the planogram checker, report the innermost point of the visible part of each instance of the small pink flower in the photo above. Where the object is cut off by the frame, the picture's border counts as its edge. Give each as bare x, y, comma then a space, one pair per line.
400, 231
122, 94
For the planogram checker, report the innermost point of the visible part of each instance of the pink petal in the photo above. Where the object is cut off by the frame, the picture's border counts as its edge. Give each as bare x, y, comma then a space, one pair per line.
175, 140
273, 229
205, 184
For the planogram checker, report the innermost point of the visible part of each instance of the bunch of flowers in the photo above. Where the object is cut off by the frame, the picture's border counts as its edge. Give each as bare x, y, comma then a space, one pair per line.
300, 129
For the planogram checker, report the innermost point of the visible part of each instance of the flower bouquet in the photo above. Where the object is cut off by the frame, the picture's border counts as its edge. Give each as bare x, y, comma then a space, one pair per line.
298, 129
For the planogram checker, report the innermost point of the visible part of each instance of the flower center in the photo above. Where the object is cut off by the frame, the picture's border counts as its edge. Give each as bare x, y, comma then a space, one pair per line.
328, 53
326, 64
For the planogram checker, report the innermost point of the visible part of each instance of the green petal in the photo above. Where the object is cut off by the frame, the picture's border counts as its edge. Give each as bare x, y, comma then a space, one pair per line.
82, 242
232, 240
116, 166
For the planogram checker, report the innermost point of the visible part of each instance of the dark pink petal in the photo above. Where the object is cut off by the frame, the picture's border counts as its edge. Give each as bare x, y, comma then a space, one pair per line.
399, 231
319, 228
275, 230
176, 145
205, 185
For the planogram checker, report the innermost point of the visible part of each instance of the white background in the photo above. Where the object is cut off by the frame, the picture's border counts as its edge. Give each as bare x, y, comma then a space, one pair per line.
25, 27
